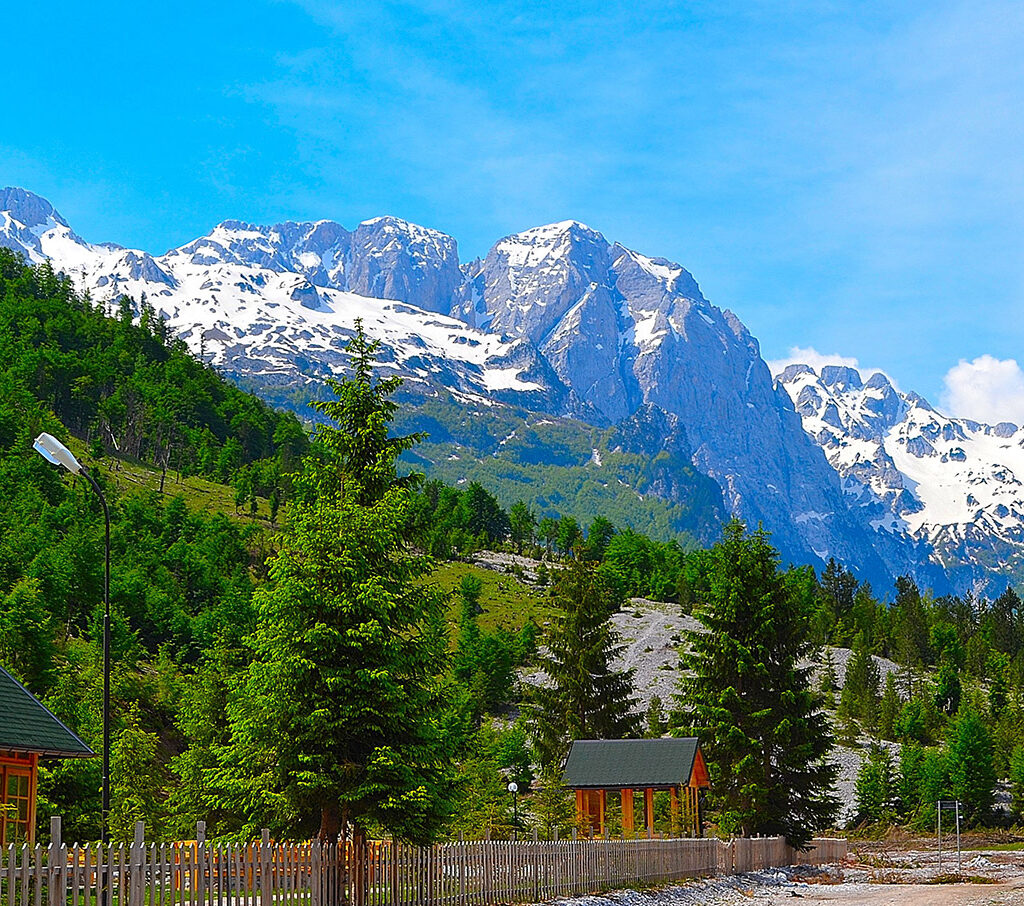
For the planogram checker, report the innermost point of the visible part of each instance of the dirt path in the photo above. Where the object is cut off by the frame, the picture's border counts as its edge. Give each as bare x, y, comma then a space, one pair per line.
901, 895
874, 876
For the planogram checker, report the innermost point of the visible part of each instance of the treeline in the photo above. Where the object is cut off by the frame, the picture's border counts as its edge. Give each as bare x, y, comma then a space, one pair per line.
456, 522
125, 386
954, 705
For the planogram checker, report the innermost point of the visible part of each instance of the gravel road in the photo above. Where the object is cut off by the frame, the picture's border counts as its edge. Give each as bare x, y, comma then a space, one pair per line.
875, 877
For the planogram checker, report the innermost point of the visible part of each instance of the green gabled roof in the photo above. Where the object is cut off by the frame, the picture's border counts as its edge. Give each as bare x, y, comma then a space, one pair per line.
27, 725
614, 764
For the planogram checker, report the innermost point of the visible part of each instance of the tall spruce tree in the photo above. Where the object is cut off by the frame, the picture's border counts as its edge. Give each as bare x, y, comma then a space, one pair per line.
584, 696
337, 720
746, 695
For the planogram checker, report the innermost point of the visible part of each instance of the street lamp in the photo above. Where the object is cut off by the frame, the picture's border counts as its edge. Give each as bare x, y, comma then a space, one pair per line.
52, 450
513, 788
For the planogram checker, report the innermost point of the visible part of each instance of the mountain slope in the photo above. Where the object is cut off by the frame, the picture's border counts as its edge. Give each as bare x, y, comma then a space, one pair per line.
951, 484
555, 321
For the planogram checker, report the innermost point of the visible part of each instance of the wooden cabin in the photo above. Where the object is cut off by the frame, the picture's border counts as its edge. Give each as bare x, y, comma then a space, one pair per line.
624, 767
28, 731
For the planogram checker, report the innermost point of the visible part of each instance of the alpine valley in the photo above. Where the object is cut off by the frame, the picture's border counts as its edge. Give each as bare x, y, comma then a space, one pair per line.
585, 378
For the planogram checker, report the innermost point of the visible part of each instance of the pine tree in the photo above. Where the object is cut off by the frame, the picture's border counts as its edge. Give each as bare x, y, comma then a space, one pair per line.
337, 719
746, 694
136, 779
971, 772
910, 624
875, 786
584, 698
1017, 781
523, 525
998, 668
828, 683
860, 690
656, 721
889, 709
948, 689
552, 805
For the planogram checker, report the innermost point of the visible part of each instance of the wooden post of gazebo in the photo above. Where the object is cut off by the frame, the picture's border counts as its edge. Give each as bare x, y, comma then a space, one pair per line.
628, 825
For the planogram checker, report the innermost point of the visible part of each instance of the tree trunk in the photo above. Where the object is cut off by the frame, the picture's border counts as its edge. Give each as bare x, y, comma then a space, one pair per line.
330, 823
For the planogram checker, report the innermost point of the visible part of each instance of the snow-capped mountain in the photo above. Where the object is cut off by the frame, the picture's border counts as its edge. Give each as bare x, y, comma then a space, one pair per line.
274, 304
952, 483
554, 320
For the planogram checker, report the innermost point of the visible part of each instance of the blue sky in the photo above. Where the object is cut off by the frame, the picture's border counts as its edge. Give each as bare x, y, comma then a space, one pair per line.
847, 177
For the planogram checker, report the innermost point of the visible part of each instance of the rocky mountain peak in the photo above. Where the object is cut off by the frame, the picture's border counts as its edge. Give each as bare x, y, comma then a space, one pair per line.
27, 208
390, 258
950, 484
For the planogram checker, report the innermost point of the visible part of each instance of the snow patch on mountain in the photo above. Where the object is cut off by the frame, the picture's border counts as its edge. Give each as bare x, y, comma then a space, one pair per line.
955, 483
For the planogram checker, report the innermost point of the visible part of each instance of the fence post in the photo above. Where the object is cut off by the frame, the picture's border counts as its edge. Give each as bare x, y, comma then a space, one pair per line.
54, 867
135, 863
318, 861
266, 894
199, 881
462, 869
396, 854
535, 863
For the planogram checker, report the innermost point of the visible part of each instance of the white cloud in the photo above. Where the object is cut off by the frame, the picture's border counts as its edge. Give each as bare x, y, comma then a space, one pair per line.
986, 389
808, 355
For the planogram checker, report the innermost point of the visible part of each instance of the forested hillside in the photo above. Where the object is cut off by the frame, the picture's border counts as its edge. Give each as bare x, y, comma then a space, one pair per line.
229, 642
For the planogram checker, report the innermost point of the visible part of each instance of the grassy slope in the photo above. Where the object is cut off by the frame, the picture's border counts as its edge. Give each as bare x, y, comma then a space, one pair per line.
506, 601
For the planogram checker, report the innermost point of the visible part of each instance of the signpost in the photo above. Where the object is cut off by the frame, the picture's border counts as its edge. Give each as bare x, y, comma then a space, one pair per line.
949, 805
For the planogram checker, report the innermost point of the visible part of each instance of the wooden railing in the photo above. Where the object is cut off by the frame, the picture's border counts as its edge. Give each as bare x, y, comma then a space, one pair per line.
478, 873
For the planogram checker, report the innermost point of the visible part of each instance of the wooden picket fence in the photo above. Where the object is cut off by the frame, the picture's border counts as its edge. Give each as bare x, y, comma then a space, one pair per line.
465, 873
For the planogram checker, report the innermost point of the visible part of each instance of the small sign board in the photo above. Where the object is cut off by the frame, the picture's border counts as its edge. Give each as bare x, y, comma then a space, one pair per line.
949, 804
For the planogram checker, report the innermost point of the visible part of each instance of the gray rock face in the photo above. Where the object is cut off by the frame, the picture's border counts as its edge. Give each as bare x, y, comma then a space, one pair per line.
27, 208
624, 331
392, 259
317, 250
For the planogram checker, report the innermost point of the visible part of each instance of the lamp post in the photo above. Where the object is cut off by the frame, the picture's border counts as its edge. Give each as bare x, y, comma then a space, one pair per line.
513, 788
55, 452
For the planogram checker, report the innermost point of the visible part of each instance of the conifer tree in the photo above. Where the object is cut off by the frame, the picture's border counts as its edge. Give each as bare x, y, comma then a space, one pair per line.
860, 690
910, 624
746, 694
655, 719
997, 668
889, 709
971, 772
875, 787
337, 720
584, 696
948, 689
828, 683
1017, 781
523, 525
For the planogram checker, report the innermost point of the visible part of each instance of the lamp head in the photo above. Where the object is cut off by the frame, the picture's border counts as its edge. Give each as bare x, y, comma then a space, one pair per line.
52, 450
513, 787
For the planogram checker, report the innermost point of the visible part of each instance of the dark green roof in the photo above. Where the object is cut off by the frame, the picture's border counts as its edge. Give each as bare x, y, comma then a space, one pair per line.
27, 724
615, 764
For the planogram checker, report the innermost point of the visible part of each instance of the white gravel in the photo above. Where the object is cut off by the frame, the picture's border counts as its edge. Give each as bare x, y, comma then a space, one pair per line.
723, 891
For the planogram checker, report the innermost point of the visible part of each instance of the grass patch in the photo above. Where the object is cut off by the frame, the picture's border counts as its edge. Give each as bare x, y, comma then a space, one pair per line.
200, 494
953, 878
506, 601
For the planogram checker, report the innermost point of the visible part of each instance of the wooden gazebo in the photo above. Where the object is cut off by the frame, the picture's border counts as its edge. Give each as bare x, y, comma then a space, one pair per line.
596, 766
28, 731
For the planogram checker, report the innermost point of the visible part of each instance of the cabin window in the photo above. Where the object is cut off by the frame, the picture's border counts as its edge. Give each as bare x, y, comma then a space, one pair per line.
15, 803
